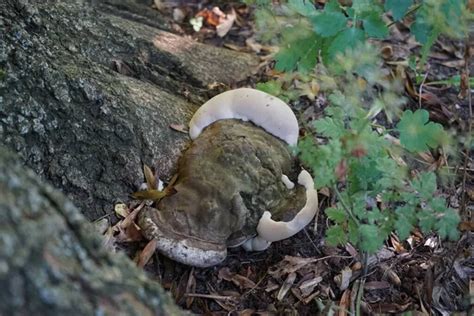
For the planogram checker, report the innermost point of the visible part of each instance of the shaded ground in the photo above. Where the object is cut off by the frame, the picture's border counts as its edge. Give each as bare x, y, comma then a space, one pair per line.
303, 275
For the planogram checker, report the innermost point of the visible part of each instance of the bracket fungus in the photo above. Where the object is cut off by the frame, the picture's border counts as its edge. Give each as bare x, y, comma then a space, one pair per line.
269, 230
229, 176
260, 108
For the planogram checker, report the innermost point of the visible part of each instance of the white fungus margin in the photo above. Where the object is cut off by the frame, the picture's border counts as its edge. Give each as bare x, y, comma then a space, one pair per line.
260, 108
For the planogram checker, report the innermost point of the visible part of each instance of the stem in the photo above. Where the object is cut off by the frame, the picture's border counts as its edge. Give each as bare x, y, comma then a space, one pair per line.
412, 9
344, 205
470, 122
360, 290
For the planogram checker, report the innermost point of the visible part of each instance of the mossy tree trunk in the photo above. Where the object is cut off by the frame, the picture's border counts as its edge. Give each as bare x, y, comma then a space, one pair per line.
88, 90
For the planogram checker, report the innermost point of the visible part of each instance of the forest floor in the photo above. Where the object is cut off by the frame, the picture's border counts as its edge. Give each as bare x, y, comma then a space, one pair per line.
301, 275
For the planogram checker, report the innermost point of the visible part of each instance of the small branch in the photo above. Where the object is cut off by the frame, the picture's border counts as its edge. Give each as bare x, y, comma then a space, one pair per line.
420, 90
470, 122
214, 297
360, 290
344, 205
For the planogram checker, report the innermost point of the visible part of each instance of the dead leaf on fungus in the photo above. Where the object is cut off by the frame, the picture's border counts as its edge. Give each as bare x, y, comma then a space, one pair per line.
179, 128
149, 177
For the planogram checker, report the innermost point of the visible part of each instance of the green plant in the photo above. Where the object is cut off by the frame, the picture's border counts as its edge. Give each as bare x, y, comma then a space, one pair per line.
376, 194
354, 155
304, 33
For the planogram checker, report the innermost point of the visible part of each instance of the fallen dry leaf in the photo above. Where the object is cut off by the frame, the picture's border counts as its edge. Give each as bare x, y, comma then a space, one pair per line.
345, 303
387, 52
383, 308
289, 264
149, 177
271, 286
377, 285
308, 299
253, 45
464, 85
307, 287
227, 302
351, 250
390, 274
154, 195
344, 279
130, 218
286, 286
239, 280
129, 234
225, 23
466, 226
210, 17
397, 245
458, 63
179, 128
121, 210
146, 253
190, 288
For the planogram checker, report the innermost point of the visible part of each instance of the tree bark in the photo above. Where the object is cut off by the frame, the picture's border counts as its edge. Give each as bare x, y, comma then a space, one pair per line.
89, 92
51, 262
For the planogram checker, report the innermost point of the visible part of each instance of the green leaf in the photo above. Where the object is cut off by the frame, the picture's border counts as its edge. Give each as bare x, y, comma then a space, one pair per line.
426, 220
417, 134
425, 185
303, 7
332, 6
361, 6
329, 127
446, 226
336, 214
353, 232
370, 238
348, 38
453, 14
421, 30
362, 174
329, 24
323, 159
300, 50
374, 26
272, 87
392, 174
405, 221
335, 235
398, 7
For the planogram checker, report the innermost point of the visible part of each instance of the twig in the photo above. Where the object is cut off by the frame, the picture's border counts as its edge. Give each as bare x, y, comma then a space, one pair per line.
420, 90
214, 297
310, 240
470, 122
360, 290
